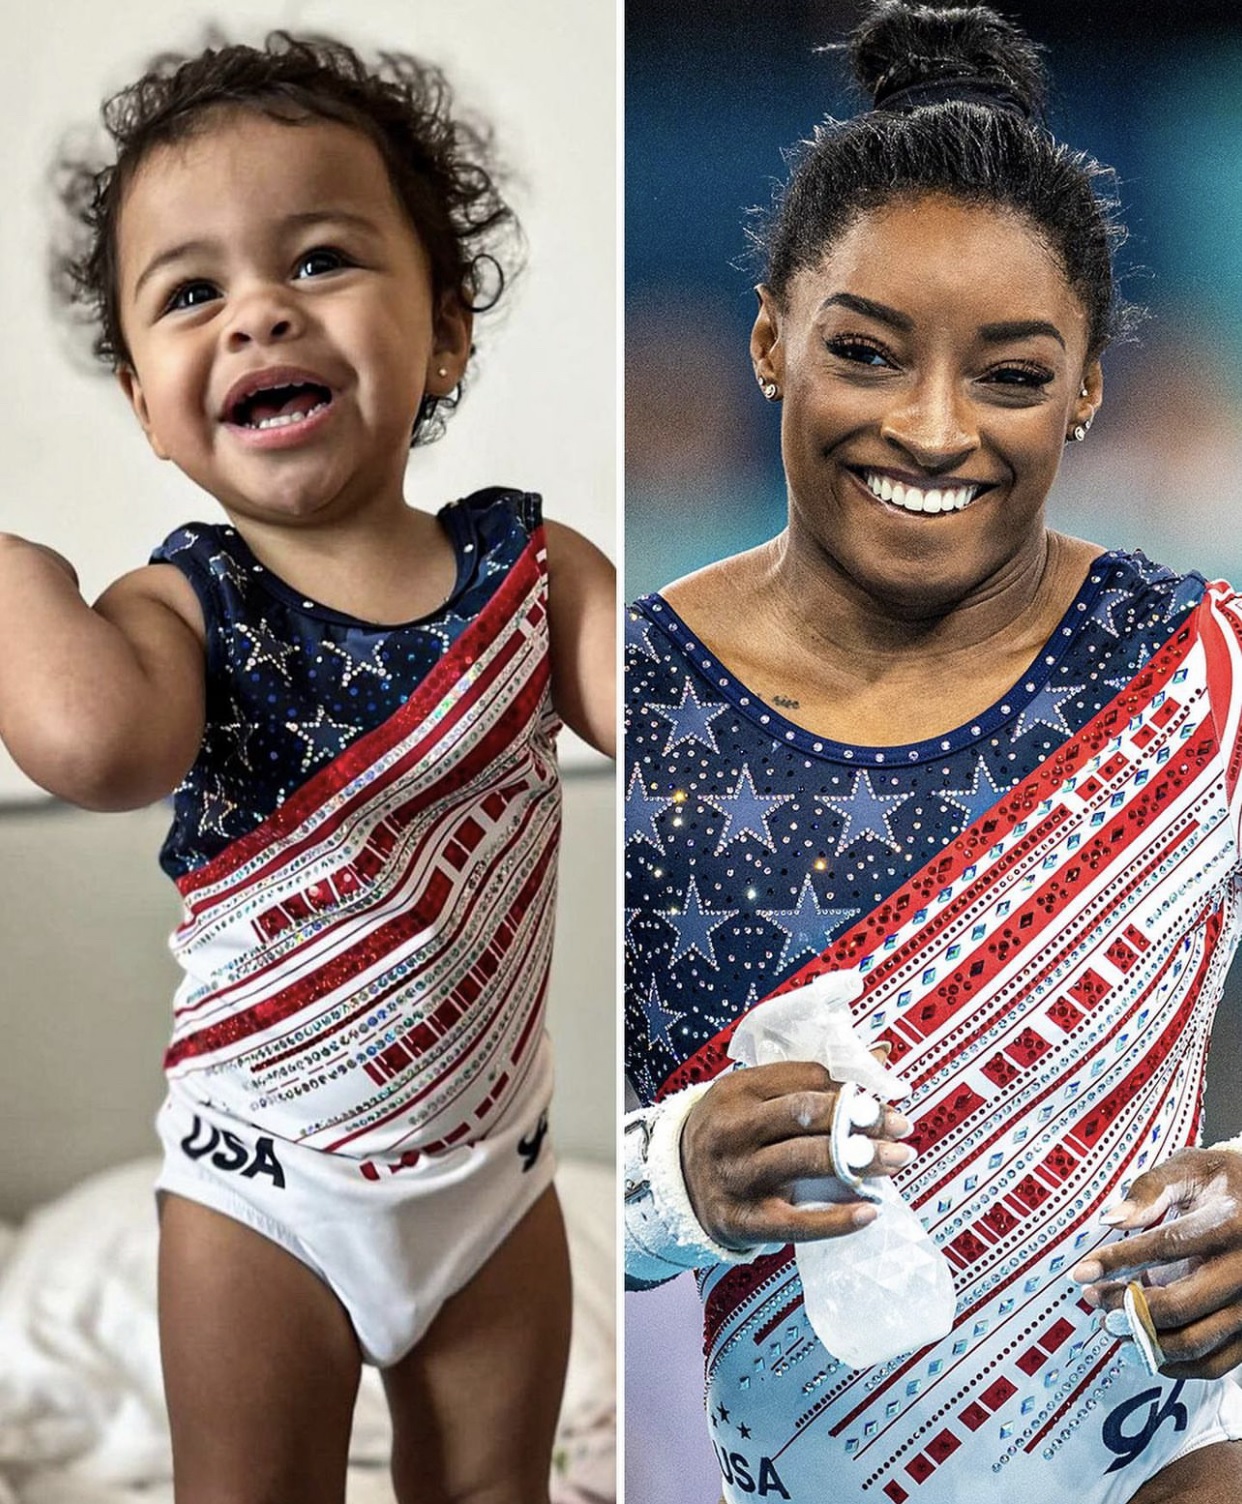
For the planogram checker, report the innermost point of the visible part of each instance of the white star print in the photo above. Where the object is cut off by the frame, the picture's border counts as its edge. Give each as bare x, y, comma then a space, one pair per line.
352, 664
323, 734
264, 647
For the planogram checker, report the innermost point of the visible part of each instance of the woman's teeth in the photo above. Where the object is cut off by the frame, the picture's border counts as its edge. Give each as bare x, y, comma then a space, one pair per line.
912, 499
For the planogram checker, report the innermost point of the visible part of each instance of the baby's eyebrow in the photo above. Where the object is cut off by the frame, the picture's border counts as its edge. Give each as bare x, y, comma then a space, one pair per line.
172, 253
330, 216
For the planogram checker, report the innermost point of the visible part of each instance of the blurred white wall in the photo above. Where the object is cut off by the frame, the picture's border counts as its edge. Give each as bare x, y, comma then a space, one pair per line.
542, 411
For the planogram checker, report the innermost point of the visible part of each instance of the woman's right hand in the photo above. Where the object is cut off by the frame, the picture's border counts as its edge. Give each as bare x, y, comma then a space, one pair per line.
753, 1134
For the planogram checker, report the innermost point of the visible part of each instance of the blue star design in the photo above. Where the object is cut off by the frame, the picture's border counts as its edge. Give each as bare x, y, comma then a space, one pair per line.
351, 655
867, 813
264, 647
806, 926
694, 926
979, 797
322, 736
641, 642
659, 1018
1108, 602
1046, 710
224, 567
642, 811
746, 812
690, 721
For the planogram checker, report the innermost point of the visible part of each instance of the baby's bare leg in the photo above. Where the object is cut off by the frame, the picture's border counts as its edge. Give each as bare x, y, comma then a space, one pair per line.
475, 1404
261, 1366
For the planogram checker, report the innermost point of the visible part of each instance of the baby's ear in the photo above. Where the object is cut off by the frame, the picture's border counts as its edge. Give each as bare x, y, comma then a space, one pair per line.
452, 331
132, 388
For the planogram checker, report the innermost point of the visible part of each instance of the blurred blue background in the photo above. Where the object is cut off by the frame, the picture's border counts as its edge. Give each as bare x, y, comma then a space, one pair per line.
714, 92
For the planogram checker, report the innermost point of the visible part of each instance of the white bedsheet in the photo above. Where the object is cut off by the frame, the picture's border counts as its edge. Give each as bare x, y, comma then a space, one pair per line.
81, 1408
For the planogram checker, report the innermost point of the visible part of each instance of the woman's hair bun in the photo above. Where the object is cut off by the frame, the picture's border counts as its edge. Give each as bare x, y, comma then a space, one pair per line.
900, 45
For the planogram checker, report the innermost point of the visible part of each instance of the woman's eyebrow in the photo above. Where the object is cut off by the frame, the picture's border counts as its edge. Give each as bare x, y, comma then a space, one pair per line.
996, 334
869, 309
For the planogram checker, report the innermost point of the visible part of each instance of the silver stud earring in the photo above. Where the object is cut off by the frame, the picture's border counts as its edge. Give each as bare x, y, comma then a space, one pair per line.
1082, 392
770, 390
441, 370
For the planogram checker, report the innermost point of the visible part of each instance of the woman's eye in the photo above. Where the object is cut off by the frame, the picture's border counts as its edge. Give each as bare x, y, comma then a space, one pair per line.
1020, 376
191, 295
858, 351
315, 263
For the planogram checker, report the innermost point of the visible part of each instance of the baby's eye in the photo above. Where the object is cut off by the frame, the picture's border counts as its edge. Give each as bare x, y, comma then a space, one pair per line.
321, 259
191, 295
858, 351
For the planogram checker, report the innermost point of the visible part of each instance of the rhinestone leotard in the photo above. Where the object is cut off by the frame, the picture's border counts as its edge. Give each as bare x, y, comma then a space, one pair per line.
1043, 905
365, 849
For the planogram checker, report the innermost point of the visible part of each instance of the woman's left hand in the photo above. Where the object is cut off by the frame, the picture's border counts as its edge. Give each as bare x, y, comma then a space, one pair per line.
1192, 1263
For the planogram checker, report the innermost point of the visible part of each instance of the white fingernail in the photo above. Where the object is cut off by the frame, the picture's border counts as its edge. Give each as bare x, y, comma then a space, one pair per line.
1117, 1324
865, 1110
1119, 1211
858, 1151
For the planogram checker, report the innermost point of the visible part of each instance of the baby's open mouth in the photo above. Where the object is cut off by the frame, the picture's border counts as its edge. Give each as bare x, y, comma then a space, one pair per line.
280, 406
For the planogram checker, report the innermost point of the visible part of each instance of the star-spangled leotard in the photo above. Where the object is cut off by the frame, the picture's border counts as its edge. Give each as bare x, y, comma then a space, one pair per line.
1043, 905
365, 849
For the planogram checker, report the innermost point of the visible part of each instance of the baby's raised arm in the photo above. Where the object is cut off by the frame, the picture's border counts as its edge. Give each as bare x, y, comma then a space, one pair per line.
582, 606
101, 705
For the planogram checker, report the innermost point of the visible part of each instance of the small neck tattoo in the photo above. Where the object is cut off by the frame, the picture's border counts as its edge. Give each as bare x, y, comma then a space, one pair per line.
785, 702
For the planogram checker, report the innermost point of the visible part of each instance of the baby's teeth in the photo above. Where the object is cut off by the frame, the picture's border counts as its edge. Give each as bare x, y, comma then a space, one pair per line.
283, 420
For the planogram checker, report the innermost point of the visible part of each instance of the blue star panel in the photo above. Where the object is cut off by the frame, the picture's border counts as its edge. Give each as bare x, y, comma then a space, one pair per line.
291, 683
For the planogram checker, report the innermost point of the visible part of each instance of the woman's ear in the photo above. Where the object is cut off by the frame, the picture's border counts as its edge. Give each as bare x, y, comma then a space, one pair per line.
132, 388
767, 353
1091, 393
450, 349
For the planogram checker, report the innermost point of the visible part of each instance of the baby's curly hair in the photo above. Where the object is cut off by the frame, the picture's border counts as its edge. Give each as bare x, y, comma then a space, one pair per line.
441, 165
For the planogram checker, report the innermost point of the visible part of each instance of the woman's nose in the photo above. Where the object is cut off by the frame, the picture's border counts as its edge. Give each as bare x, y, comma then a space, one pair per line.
933, 424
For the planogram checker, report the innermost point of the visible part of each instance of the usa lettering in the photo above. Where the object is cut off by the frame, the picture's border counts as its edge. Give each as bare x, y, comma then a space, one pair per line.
740, 1472
228, 1152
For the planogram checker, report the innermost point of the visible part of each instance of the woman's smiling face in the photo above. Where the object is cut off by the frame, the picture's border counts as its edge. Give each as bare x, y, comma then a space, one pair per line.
931, 366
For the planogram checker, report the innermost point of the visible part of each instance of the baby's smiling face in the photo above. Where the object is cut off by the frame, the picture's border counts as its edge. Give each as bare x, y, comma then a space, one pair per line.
280, 316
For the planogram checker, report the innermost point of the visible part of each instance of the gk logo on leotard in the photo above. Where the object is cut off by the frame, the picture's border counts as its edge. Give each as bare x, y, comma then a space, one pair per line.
1129, 1444
229, 1153
529, 1148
